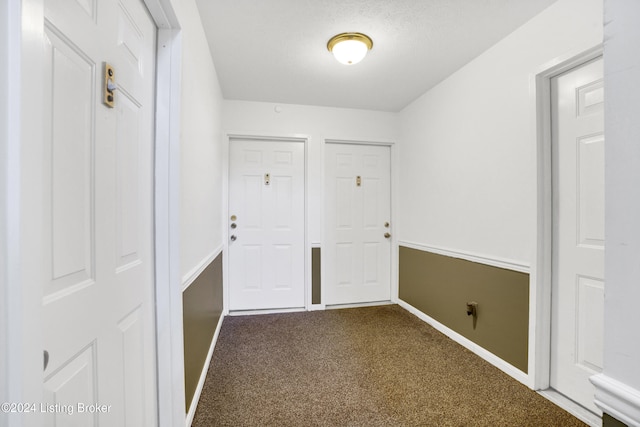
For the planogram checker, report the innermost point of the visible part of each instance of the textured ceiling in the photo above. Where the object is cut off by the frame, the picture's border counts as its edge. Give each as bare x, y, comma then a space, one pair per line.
275, 50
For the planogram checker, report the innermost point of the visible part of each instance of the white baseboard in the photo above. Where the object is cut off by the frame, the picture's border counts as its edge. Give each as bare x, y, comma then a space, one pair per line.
468, 344
265, 311
358, 305
203, 375
617, 399
578, 411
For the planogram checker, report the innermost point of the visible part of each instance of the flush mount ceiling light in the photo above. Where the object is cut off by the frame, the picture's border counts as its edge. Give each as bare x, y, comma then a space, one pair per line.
349, 48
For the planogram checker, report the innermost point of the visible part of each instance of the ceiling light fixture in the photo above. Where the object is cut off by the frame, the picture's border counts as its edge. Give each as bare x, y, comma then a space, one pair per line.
349, 48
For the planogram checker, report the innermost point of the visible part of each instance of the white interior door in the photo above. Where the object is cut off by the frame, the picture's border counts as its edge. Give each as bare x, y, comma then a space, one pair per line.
358, 230
266, 224
578, 231
98, 306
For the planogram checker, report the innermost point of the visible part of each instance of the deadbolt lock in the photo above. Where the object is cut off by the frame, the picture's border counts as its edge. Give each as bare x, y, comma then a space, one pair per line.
109, 85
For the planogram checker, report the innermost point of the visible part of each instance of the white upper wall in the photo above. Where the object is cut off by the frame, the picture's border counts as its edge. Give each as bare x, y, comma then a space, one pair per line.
316, 124
468, 146
200, 147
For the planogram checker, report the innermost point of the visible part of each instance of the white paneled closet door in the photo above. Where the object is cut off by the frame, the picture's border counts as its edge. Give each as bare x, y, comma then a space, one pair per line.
98, 302
357, 249
578, 234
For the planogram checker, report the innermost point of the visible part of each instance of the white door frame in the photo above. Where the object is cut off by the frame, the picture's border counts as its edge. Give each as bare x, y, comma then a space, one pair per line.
541, 279
20, 283
225, 208
394, 227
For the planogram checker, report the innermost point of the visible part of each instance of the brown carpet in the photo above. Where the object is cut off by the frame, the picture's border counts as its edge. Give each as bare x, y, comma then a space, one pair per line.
374, 366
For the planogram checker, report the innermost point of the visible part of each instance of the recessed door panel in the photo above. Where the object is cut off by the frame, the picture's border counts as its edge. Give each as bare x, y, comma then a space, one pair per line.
590, 321
370, 202
253, 273
371, 262
344, 198
251, 218
128, 188
134, 387
283, 199
590, 98
70, 389
69, 139
344, 264
283, 158
590, 193
282, 266
130, 38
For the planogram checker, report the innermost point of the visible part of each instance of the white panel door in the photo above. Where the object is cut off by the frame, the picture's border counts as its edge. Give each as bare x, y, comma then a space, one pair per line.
98, 311
578, 233
357, 232
266, 225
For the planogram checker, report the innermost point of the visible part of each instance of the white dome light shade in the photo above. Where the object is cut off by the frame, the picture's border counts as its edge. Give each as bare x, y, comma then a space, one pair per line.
349, 48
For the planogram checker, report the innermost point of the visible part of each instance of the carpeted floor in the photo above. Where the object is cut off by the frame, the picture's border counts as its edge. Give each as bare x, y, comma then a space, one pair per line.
374, 366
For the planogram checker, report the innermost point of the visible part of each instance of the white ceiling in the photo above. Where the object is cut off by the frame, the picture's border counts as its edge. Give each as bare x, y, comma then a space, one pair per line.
275, 50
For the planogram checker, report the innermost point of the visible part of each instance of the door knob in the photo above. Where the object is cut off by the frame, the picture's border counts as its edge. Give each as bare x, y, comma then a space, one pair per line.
387, 235
233, 225
46, 359
233, 238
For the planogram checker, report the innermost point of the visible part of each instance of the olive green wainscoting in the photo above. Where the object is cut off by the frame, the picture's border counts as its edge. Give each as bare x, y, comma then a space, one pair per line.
441, 286
609, 421
316, 279
201, 311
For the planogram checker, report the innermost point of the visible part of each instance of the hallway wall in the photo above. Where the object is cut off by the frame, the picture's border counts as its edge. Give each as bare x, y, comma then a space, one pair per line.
201, 188
469, 144
468, 181
200, 149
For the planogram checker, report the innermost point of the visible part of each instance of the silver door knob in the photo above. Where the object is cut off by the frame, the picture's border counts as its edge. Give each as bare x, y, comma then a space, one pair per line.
387, 235
233, 238
46, 359
233, 225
